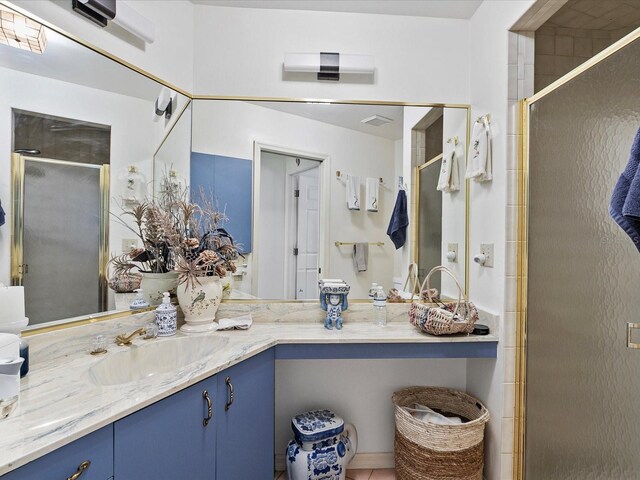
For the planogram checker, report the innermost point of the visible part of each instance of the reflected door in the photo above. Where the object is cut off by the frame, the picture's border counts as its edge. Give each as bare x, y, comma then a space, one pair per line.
308, 220
62, 234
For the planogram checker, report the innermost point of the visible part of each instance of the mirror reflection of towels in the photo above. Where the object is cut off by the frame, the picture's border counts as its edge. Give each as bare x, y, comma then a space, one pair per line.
480, 162
397, 229
360, 256
372, 192
1, 215
353, 192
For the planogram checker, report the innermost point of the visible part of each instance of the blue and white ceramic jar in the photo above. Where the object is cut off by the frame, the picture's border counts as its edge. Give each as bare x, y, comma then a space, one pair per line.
166, 317
323, 446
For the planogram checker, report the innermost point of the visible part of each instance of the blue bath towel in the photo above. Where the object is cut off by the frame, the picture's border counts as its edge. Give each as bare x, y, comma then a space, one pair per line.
625, 200
1, 215
397, 229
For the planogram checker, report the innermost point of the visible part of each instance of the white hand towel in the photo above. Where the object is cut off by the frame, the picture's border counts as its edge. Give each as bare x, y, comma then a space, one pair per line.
449, 180
353, 192
372, 192
481, 162
238, 323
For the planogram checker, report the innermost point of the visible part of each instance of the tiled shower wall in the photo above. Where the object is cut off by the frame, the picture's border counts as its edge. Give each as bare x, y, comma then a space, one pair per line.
560, 50
522, 47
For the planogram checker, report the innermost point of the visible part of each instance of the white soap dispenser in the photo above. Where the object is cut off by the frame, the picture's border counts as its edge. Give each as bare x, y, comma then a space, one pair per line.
139, 302
166, 317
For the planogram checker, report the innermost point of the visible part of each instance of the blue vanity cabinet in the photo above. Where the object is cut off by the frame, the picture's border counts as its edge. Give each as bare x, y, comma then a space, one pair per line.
172, 439
245, 419
96, 448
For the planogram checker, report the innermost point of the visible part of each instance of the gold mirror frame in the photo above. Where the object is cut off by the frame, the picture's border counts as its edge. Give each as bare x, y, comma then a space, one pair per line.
522, 246
83, 320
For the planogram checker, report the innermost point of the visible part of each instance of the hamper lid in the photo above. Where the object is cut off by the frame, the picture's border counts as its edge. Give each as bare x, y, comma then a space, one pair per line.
316, 425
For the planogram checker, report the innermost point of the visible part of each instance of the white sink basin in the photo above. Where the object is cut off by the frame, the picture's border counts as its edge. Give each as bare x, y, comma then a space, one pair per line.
153, 357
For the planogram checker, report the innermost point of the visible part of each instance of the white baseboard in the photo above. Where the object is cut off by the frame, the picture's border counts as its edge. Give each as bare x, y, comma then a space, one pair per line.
360, 461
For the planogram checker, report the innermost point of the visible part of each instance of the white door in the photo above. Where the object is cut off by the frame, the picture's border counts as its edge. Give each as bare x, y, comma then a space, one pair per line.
307, 236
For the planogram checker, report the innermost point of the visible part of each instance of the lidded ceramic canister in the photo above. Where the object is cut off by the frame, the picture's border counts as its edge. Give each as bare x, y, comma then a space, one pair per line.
10, 363
323, 447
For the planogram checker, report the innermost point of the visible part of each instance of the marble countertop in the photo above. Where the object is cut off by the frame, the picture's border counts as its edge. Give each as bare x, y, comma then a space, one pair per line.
59, 402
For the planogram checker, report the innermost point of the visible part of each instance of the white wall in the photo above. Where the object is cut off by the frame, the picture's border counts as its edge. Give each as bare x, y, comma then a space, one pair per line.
175, 152
231, 128
272, 220
454, 204
492, 83
134, 137
413, 62
170, 57
358, 390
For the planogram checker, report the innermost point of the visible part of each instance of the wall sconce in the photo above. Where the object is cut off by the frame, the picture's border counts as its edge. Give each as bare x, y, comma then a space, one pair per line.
102, 11
21, 32
327, 65
164, 104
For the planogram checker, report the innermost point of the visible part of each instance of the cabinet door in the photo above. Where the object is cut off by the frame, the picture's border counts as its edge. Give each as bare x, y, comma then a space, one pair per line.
97, 448
246, 425
168, 440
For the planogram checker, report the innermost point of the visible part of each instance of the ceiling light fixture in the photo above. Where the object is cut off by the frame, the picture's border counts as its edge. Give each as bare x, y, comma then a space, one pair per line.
328, 65
21, 32
376, 120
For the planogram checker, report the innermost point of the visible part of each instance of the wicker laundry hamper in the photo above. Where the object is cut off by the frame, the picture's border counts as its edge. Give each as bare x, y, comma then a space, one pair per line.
428, 451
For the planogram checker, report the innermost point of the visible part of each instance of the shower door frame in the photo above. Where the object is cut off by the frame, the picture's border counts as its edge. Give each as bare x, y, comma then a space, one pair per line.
522, 245
17, 223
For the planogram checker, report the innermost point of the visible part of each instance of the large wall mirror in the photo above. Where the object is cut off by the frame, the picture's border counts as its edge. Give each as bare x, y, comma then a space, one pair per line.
302, 182
78, 133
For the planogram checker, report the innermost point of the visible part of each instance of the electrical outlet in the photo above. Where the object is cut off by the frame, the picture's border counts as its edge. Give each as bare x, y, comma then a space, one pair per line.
487, 250
129, 244
452, 247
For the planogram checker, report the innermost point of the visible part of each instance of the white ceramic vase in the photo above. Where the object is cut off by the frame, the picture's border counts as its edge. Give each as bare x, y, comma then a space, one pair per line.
153, 285
199, 303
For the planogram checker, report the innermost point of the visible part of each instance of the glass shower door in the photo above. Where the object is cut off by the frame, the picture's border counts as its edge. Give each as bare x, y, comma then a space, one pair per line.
61, 237
582, 382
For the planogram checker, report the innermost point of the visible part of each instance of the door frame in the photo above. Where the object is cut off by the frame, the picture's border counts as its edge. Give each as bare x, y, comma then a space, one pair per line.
17, 222
325, 179
522, 260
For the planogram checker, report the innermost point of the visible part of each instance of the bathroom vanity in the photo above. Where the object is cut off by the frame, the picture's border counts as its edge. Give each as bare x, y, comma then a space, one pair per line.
212, 416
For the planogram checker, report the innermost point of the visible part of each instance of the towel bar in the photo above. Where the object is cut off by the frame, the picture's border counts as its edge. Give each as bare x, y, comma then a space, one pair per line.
339, 244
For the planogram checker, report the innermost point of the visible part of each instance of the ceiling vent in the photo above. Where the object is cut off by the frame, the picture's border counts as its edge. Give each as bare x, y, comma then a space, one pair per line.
376, 120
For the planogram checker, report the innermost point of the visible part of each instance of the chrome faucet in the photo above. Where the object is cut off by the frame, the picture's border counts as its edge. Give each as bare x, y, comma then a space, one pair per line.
126, 339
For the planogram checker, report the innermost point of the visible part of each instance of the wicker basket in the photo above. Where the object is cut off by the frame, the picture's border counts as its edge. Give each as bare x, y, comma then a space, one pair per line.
428, 451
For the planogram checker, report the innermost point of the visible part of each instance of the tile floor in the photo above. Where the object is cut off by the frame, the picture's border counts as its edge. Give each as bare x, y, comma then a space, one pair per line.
384, 474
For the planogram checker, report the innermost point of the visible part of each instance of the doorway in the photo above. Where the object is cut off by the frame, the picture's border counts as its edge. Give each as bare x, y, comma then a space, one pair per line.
288, 235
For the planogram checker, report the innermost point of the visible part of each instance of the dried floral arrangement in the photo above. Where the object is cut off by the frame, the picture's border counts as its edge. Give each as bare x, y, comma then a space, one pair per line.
178, 235
209, 250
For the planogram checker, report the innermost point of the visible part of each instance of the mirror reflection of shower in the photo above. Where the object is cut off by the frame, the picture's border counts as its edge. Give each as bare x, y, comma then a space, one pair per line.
60, 237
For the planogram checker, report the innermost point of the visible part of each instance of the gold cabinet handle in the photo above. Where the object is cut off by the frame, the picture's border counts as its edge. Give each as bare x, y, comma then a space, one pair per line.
230, 388
209, 416
81, 468
630, 328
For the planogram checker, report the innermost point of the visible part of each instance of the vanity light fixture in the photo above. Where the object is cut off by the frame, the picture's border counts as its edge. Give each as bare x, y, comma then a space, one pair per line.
21, 32
102, 11
329, 65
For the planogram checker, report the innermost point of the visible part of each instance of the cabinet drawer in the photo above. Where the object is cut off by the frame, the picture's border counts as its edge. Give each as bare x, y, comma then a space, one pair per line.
97, 448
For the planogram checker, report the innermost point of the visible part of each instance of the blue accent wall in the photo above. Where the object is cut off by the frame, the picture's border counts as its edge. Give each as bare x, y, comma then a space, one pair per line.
228, 180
